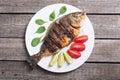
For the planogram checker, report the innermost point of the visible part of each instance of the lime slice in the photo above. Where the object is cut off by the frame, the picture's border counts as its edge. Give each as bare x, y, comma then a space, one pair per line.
53, 60
61, 60
68, 59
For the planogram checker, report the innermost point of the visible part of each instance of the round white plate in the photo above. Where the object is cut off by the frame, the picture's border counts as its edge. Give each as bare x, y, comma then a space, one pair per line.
44, 14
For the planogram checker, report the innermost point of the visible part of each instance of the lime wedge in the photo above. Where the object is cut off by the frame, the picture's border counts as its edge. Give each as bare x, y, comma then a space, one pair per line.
68, 59
61, 60
53, 60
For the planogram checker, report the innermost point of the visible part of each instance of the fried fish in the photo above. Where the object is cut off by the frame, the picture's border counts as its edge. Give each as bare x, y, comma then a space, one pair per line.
60, 34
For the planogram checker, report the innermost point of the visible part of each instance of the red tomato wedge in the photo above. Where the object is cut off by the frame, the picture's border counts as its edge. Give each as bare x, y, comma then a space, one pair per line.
74, 54
81, 39
77, 46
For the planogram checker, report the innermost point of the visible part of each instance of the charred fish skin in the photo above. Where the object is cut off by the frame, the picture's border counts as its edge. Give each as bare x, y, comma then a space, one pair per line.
61, 34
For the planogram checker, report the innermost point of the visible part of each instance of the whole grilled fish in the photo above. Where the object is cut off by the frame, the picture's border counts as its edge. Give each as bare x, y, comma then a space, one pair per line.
60, 34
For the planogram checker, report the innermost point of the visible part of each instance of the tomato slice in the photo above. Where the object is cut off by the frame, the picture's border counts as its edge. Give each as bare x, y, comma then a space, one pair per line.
81, 39
74, 54
78, 46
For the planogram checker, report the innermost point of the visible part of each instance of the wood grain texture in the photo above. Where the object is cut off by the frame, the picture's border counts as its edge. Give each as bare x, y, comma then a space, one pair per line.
32, 6
10, 70
12, 49
14, 25
104, 62
104, 50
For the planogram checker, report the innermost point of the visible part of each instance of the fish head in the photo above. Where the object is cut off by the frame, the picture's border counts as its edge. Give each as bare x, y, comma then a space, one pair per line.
77, 19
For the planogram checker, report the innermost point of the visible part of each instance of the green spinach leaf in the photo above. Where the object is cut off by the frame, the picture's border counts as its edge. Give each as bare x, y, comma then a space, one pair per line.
52, 16
40, 21
41, 29
62, 10
35, 41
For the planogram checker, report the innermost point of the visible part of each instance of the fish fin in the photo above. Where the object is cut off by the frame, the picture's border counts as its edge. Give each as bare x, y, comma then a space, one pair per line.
83, 10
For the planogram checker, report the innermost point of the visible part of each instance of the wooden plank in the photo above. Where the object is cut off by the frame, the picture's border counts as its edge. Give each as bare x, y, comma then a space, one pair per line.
104, 50
14, 25
10, 70
12, 49
106, 26
30, 6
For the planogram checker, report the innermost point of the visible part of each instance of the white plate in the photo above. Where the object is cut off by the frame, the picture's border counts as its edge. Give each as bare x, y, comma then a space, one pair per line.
44, 14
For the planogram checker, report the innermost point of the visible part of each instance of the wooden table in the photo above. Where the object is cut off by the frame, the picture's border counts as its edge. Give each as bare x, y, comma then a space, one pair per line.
103, 64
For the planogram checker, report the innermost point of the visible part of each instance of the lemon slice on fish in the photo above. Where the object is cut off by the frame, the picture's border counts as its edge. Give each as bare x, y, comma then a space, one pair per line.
61, 60
68, 59
53, 60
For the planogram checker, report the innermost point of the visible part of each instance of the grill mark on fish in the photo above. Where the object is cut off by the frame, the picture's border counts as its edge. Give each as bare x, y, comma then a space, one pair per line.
53, 46
49, 46
58, 35
61, 27
68, 32
51, 43
57, 30
57, 43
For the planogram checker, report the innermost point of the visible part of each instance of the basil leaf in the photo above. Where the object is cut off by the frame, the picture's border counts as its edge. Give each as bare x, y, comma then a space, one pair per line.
39, 21
52, 16
35, 41
62, 10
41, 29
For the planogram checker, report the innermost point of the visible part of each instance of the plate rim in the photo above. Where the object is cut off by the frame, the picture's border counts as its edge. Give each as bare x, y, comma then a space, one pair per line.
38, 62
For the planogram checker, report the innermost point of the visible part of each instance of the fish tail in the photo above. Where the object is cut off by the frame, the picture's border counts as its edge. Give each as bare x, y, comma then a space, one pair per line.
33, 60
